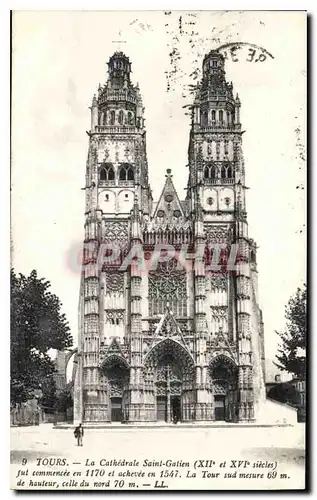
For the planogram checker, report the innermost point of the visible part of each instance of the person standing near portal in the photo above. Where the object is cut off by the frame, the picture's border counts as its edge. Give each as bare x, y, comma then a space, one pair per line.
79, 434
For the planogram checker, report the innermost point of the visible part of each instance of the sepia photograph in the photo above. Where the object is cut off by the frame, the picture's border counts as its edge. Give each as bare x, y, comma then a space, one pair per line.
158, 250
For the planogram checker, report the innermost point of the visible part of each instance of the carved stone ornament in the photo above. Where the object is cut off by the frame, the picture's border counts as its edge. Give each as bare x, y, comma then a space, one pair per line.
114, 282
219, 388
168, 328
106, 154
114, 317
219, 312
116, 388
216, 233
218, 283
221, 339
164, 286
115, 231
115, 356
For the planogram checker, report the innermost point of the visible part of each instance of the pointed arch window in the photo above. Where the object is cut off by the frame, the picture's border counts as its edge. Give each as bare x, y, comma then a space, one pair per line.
210, 171
204, 117
103, 174
120, 117
227, 172
228, 117
221, 116
107, 172
167, 286
126, 172
213, 115
130, 174
130, 118
112, 117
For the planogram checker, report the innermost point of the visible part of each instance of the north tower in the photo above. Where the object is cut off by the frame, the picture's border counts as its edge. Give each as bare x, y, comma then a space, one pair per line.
228, 321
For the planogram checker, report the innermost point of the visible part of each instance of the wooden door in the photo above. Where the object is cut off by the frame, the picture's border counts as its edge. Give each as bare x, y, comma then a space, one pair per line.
116, 409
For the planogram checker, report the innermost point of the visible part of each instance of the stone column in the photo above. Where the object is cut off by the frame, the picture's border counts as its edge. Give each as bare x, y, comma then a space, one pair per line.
93, 409
202, 405
245, 379
168, 396
136, 396
78, 382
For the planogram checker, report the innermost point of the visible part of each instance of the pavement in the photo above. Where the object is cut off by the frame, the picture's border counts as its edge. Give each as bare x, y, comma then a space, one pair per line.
170, 457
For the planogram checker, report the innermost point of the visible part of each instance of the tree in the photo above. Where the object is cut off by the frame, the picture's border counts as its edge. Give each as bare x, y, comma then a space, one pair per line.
49, 398
291, 355
37, 325
64, 401
285, 393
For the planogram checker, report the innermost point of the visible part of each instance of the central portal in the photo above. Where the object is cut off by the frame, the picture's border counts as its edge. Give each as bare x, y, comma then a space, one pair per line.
168, 383
174, 409
169, 376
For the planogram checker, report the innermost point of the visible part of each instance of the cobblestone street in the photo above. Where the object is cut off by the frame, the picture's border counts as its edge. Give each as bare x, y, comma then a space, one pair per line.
285, 445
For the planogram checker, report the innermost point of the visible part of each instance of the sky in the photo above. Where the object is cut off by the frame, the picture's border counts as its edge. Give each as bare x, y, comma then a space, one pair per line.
59, 58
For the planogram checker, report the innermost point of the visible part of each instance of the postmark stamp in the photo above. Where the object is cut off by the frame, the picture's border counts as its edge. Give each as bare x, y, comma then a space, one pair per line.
244, 51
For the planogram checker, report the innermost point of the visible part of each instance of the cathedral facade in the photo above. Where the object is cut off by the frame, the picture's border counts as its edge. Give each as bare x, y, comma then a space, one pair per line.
169, 323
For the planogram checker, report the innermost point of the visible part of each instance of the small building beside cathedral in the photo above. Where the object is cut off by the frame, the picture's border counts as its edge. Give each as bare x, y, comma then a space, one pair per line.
170, 327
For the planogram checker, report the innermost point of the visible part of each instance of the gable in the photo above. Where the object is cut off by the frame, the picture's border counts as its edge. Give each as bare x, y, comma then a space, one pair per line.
169, 207
168, 328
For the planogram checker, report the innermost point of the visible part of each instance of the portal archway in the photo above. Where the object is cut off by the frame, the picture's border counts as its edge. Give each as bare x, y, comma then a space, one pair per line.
115, 373
169, 377
223, 373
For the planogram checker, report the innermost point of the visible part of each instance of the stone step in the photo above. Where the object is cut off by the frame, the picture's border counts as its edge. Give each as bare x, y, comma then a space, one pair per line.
158, 426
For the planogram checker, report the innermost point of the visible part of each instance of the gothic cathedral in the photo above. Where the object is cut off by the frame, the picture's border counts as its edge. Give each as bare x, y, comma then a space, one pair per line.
173, 338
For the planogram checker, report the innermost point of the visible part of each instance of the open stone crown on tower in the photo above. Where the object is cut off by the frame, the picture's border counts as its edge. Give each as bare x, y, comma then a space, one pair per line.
169, 341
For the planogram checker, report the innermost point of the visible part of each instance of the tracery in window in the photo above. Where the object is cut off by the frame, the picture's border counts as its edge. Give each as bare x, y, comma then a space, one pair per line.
107, 172
167, 285
226, 172
126, 172
210, 171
